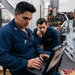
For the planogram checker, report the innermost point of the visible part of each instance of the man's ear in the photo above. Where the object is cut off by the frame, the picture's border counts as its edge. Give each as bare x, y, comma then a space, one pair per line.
16, 14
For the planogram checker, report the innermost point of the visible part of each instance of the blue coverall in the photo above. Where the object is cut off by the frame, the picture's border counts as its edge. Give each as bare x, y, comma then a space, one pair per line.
16, 48
49, 40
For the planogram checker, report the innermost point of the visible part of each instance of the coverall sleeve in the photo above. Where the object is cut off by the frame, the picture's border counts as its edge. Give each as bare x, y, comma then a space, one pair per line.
6, 58
38, 50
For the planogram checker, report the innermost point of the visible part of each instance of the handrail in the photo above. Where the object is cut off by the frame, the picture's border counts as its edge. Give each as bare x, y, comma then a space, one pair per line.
8, 6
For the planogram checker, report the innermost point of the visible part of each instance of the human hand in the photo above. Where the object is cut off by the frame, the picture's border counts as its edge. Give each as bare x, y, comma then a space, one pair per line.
34, 63
39, 34
42, 56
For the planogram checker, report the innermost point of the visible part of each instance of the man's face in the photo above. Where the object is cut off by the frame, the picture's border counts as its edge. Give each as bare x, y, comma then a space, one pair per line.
42, 28
22, 20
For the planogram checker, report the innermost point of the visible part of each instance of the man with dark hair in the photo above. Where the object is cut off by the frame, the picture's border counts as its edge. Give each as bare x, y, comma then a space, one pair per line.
18, 49
17, 44
47, 36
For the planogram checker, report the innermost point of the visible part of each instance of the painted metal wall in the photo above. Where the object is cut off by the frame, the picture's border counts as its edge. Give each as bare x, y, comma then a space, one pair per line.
66, 5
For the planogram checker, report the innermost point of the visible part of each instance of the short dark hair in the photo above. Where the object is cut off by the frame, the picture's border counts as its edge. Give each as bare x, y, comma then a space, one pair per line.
23, 6
41, 21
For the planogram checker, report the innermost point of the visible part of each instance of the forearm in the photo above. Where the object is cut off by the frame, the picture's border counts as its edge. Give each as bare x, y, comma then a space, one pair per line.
12, 62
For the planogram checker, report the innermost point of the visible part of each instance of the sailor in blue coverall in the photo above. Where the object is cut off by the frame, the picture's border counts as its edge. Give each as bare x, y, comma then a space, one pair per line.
18, 49
49, 36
